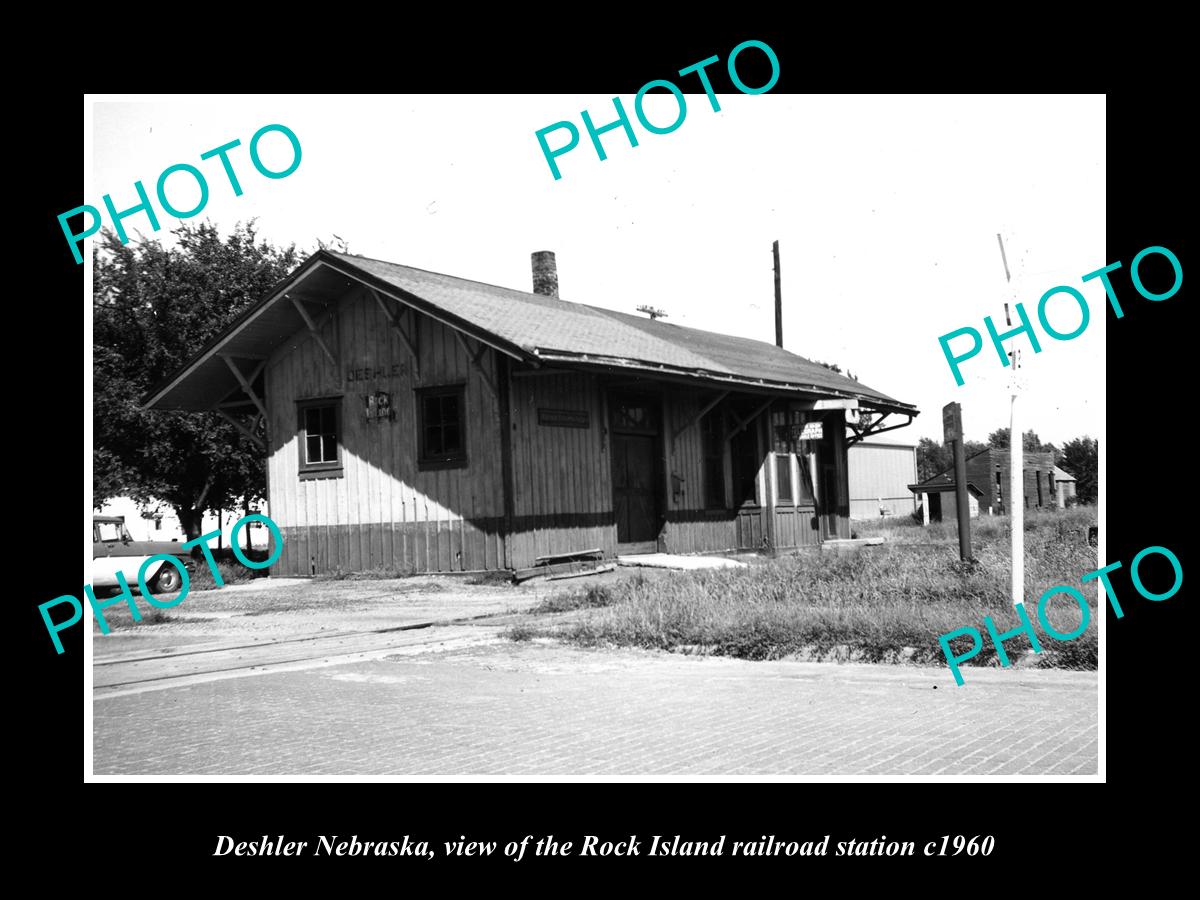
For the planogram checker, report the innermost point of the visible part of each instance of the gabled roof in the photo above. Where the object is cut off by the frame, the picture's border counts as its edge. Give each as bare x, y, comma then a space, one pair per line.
1060, 475
526, 326
939, 484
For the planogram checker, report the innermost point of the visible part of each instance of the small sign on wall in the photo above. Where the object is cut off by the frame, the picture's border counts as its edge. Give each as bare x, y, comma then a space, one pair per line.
378, 406
813, 431
564, 418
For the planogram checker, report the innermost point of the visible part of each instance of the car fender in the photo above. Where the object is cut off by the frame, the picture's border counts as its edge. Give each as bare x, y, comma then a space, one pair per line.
105, 568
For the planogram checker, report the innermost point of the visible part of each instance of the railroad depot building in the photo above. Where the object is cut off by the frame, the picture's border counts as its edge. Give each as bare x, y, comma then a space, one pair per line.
419, 422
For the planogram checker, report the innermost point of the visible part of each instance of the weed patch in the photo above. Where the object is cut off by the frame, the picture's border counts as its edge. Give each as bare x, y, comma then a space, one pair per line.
882, 604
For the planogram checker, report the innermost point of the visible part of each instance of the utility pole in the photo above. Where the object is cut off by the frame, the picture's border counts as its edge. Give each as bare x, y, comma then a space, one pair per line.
778, 298
1016, 460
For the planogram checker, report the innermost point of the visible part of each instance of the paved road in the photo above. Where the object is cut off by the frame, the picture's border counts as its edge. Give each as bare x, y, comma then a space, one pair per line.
453, 701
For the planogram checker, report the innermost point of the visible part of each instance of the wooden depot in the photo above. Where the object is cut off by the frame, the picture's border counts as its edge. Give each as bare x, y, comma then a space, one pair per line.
417, 422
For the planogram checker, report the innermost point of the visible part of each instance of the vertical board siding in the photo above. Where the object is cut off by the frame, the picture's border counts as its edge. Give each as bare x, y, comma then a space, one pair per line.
690, 527
880, 475
382, 513
562, 478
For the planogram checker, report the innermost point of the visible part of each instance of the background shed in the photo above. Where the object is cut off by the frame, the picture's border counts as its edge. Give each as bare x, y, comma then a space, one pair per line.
880, 474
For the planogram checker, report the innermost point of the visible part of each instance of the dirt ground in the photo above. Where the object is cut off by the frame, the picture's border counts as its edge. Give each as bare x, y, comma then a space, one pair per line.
273, 609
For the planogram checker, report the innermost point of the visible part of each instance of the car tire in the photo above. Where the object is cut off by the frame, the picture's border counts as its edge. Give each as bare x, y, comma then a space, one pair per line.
167, 581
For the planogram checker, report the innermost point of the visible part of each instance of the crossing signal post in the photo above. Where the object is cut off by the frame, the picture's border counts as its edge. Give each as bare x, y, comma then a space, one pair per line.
953, 434
1016, 458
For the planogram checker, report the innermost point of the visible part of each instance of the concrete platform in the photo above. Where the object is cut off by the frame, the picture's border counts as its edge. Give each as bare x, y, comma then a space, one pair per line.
677, 561
851, 544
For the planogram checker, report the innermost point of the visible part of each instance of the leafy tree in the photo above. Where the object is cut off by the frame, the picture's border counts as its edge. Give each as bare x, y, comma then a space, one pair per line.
834, 367
153, 307
1080, 458
970, 448
1030, 442
932, 458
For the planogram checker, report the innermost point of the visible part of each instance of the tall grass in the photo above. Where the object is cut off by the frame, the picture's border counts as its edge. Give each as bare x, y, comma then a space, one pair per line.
1066, 523
886, 603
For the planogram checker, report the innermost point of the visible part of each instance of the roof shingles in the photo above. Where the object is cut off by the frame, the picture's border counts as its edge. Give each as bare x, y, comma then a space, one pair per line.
539, 326
550, 326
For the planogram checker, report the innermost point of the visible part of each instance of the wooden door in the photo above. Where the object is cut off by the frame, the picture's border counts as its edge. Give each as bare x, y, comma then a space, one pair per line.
828, 501
634, 497
636, 468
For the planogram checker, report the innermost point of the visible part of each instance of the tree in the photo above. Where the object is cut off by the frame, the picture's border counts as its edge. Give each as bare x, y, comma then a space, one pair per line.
1080, 458
970, 448
932, 458
153, 307
1030, 442
834, 367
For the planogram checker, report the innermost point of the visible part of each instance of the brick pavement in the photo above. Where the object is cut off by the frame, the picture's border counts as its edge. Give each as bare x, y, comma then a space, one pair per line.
491, 707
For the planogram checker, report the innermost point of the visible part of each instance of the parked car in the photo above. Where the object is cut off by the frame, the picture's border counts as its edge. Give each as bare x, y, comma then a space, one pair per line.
114, 550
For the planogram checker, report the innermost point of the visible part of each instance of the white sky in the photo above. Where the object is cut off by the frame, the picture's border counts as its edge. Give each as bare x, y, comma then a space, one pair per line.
886, 210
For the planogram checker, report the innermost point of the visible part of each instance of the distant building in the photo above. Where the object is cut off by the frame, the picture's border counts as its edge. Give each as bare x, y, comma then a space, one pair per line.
879, 477
988, 474
989, 469
1066, 487
158, 522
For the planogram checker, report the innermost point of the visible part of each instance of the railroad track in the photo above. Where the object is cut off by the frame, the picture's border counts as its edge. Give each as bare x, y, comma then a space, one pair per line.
122, 675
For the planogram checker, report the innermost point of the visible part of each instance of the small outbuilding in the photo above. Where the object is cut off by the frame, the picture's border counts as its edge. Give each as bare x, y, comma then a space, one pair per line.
1066, 484
938, 502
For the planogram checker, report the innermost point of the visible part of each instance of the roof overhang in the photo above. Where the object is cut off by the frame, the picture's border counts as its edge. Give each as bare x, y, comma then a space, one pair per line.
216, 377
319, 283
829, 397
943, 488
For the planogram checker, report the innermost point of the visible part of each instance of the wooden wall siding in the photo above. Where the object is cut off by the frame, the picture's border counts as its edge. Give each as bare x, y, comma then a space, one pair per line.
795, 527
690, 528
881, 473
382, 512
750, 530
562, 476
982, 468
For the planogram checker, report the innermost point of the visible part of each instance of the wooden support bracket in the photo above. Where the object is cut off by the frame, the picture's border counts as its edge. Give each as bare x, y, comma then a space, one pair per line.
248, 432
874, 429
313, 330
237, 373
475, 356
708, 407
394, 321
742, 423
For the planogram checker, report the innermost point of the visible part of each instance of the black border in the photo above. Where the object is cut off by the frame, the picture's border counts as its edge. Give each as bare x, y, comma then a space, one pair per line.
1148, 690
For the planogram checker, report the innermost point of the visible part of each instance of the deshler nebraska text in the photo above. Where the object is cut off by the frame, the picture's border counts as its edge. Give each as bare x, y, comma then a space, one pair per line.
326, 845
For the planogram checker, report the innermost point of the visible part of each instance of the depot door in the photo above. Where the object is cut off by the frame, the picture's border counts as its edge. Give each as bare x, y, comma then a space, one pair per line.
633, 488
635, 467
828, 504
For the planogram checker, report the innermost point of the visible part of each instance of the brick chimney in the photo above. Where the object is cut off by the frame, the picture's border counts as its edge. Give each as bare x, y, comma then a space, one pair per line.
545, 273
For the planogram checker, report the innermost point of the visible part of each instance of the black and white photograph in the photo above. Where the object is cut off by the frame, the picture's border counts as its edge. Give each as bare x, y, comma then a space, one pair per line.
702, 432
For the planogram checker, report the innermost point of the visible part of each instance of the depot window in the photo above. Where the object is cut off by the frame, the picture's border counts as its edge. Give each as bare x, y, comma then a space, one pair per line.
320, 437
442, 427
